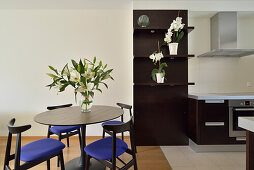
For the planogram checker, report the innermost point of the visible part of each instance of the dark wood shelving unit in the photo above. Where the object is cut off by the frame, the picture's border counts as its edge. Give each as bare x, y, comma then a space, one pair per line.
157, 29
165, 84
160, 110
168, 56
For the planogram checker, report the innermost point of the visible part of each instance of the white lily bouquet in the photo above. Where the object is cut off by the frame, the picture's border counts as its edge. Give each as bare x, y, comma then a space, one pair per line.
158, 74
85, 77
174, 35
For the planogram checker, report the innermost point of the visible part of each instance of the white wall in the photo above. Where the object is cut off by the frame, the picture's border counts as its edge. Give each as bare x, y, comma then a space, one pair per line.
220, 74
33, 39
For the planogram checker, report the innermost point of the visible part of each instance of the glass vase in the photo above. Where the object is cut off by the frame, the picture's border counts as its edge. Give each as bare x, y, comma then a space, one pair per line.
86, 104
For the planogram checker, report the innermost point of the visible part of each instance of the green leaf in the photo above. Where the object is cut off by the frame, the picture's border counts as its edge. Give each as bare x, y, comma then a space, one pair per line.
105, 84
96, 81
63, 81
154, 71
82, 69
83, 80
72, 83
94, 59
51, 75
75, 65
179, 37
99, 90
164, 43
91, 93
52, 68
108, 71
105, 66
63, 87
161, 66
79, 68
111, 78
66, 66
163, 72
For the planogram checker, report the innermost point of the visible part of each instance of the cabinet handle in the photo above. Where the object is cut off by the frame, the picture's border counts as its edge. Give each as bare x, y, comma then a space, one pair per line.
214, 101
243, 109
241, 138
214, 123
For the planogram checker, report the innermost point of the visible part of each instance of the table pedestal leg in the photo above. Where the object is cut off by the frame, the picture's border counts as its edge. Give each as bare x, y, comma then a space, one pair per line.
83, 144
249, 150
80, 162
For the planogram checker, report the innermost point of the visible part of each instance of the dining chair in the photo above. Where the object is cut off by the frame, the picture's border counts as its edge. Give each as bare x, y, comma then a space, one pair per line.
63, 131
107, 150
32, 153
116, 122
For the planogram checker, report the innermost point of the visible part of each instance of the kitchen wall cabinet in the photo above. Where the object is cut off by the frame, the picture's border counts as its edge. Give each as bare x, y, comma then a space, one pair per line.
208, 123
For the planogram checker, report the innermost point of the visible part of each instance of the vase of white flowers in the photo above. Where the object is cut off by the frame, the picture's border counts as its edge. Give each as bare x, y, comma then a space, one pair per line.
85, 77
86, 103
174, 35
160, 78
173, 47
158, 74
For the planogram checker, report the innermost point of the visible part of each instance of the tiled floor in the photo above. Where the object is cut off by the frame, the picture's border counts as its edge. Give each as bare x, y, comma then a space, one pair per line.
184, 158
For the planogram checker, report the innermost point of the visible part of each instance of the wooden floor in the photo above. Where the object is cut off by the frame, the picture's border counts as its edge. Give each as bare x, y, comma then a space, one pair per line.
148, 157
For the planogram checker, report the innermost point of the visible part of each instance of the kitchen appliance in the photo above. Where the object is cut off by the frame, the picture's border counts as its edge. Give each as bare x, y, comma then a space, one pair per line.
224, 36
239, 108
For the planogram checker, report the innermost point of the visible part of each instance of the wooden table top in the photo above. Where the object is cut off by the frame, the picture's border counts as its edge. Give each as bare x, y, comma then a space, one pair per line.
73, 116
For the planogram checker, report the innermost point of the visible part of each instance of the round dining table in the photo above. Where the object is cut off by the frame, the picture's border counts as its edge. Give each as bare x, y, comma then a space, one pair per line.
72, 116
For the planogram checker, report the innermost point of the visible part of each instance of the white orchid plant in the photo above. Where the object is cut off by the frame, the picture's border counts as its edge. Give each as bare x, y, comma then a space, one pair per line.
175, 32
84, 76
156, 57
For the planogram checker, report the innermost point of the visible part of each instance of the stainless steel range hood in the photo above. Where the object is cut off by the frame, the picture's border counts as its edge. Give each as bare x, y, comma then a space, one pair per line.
224, 36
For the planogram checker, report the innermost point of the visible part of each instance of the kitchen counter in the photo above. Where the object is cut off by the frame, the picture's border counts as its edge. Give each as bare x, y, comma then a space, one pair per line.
248, 124
222, 96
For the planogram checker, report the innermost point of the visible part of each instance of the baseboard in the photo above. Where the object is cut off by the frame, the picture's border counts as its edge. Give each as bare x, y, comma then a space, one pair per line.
217, 148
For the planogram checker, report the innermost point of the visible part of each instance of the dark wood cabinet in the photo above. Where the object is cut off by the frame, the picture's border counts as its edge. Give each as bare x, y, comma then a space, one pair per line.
160, 110
208, 123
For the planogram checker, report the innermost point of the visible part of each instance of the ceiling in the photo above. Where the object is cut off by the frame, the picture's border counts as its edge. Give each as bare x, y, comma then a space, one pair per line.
119, 4
196, 0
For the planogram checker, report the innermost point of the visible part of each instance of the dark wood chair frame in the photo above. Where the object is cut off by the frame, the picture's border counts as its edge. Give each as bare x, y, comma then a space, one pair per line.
123, 106
60, 135
17, 166
128, 126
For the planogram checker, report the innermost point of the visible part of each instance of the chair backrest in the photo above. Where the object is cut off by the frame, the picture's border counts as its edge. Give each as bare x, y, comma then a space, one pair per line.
119, 128
125, 106
128, 126
58, 107
17, 129
14, 130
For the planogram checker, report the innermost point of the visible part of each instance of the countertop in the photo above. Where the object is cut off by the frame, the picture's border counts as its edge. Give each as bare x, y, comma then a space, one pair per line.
246, 123
222, 96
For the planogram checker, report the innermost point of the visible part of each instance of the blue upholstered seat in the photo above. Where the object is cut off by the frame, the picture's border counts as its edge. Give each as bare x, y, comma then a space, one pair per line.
63, 129
102, 149
115, 122
40, 149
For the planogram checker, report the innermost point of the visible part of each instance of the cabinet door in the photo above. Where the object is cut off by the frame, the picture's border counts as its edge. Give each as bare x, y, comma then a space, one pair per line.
214, 124
160, 115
